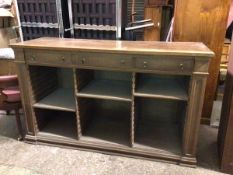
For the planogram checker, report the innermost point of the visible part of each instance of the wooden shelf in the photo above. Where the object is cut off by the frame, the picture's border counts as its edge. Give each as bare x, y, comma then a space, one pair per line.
61, 99
166, 88
158, 137
107, 89
62, 126
108, 128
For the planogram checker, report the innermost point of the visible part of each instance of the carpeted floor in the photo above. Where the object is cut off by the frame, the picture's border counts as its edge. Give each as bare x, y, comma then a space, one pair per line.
18, 158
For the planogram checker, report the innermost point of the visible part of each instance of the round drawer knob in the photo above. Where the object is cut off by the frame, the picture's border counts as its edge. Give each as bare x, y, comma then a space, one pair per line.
145, 64
63, 59
83, 61
181, 66
122, 61
33, 58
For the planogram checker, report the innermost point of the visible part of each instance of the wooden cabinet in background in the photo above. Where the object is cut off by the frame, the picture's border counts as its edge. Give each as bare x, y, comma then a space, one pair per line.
203, 21
155, 3
225, 135
140, 99
153, 33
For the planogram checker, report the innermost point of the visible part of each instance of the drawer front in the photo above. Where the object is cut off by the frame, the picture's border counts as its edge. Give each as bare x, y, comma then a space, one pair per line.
165, 63
45, 57
103, 60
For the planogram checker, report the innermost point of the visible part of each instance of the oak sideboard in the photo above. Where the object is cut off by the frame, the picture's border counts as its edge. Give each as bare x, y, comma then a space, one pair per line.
134, 98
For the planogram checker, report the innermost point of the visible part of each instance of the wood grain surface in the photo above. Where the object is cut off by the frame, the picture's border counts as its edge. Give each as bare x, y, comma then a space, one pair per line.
225, 139
142, 47
203, 21
153, 33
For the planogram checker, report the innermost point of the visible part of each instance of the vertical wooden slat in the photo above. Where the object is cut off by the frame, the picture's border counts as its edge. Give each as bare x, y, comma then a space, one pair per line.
26, 11
49, 13
79, 133
153, 33
25, 94
38, 11
84, 109
102, 12
193, 116
132, 127
225, 139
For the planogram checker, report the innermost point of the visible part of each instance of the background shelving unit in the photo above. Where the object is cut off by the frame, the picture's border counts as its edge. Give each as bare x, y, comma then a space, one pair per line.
97, 19
43, 18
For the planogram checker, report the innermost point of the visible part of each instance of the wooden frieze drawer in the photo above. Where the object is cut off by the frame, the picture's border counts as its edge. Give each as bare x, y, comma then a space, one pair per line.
174, 64
103, 60
45, 57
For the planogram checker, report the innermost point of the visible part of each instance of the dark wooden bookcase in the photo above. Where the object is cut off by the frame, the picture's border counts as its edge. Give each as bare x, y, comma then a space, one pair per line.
141, 101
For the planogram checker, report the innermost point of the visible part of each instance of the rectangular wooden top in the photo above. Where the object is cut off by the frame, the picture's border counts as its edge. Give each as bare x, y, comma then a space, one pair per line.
112, 46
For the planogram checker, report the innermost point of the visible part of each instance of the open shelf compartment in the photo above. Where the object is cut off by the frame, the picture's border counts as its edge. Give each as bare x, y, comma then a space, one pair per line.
162, 86
55, 123
104, 84
52, 88
105, 121
159, 125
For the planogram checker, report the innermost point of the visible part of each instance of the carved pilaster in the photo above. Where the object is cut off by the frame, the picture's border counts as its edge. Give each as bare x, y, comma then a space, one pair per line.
193, 115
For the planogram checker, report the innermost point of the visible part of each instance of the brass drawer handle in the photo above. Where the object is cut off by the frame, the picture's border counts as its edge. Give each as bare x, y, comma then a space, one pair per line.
63, 59
122, 61
33, 58
83, 61
181, 66
145, 64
